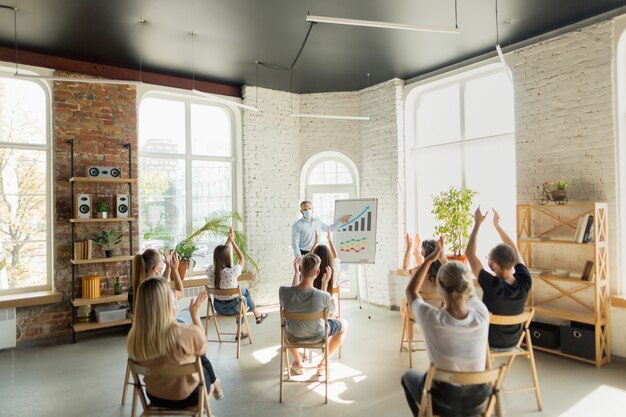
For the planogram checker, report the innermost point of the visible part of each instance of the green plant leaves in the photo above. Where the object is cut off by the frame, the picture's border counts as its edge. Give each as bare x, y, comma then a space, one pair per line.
453, 209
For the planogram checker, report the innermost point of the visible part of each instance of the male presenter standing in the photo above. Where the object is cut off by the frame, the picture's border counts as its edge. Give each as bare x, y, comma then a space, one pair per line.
303, 231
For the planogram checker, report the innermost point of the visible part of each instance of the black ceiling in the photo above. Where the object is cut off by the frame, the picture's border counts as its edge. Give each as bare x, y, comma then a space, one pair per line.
233, 34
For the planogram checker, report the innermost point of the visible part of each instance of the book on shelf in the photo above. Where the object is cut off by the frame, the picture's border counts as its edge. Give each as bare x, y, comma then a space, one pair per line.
588, 235
83, 249
587, 274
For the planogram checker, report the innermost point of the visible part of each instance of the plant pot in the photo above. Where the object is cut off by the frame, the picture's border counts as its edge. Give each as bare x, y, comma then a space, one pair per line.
182, 269
558, 195
460, 258
102, 214
108, 253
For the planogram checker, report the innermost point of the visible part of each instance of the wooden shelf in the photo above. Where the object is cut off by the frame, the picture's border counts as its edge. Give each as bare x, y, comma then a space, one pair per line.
102, 300
110, 220
554, 241
92, 325
576, 281
101, 260
30, 299
104, 180
562, 314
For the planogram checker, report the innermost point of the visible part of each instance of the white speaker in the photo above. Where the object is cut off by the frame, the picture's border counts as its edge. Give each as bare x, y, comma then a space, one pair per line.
122, 206
104, 172
82, 206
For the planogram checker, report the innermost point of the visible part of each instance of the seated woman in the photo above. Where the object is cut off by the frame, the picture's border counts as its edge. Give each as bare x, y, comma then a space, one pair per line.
328, 256
429, 287
150, 264
223, 275
157, 340
455, 336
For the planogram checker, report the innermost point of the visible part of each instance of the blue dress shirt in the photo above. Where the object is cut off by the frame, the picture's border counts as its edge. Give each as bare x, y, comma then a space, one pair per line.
303, 233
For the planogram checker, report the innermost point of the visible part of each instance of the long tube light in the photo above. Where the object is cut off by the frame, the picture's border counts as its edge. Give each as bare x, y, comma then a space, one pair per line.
328, 116
75, 80
377, 24
507, 69
224, 100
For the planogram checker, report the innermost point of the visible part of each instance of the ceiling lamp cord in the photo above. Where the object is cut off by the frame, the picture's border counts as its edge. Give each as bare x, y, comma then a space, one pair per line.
279, 67
456, 14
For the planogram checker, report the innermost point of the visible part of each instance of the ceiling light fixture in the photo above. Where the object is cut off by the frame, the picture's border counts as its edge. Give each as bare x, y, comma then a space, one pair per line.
17, 74
330, 116
213, 97
386, 25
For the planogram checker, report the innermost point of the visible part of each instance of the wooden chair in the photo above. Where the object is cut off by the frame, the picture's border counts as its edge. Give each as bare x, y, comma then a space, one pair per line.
409, 321
286, 344
212, 315
336, 291
492, 377
169, 372
127, 382
524, 320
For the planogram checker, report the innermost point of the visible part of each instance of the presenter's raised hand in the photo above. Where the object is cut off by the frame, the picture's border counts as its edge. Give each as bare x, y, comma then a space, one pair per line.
346, 219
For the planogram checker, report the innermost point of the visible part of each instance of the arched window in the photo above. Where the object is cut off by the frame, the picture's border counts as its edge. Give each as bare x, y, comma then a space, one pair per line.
621, 165
326, 177
25, 187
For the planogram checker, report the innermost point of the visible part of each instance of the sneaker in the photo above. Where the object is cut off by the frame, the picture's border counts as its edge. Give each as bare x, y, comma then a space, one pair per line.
217, 389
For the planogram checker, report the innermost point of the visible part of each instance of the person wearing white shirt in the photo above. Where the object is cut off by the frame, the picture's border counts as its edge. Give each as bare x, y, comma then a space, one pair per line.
455, 338
303, 231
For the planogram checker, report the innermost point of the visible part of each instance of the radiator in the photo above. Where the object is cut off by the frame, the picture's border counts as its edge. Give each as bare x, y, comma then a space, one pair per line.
190, 294
7, 328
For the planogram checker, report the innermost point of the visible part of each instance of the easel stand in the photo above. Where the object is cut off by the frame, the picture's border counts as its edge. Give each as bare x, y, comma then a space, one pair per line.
358, 286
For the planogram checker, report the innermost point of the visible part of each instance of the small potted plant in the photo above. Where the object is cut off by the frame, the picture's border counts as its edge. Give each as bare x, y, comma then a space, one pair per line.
558, 192
106, 240
453, 211
102, 209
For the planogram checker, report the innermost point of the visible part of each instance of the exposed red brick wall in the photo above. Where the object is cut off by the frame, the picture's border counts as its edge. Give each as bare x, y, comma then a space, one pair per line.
100, 118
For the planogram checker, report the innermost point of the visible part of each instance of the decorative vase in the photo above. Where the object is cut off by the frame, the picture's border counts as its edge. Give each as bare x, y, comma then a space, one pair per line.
117, 288
182, 269
108, 253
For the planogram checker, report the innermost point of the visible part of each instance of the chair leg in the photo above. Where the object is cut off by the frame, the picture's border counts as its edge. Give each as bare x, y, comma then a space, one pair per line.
238, 335
245, 317
402, 339
126, 383
409, 345
326, 364
134, 403
533, 370
282, 371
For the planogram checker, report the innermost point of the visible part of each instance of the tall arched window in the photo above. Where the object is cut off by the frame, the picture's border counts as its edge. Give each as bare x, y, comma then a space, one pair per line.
25, 196
326, 177
621, 164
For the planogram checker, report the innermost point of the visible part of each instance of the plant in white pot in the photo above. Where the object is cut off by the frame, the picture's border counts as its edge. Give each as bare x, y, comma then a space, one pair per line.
102, 209
453, 211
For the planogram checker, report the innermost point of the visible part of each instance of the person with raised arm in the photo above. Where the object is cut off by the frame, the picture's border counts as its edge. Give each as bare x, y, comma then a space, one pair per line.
506, 290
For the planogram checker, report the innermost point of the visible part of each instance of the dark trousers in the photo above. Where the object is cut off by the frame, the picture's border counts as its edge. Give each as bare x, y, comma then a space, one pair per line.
448, 400
192, 399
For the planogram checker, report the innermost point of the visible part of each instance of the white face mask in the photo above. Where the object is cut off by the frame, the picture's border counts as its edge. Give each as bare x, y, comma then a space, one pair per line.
307, 213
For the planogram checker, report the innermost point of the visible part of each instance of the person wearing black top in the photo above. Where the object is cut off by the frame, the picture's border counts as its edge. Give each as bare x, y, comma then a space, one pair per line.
504, 293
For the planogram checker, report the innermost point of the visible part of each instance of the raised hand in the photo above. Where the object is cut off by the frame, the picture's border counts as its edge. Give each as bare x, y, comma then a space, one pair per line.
297, 263
418, 241
496, 218
327, 275
316, 239
409, 242
194, 306
167, 256
346, 219
231, 235
436, 252
479, 218
175, 261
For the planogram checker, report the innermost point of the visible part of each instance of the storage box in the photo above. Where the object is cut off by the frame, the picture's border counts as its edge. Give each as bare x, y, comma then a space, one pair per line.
110, 313
545, 335
91, 286
578, 339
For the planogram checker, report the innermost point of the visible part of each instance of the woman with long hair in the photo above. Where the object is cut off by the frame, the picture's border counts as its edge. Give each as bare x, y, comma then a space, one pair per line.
455, 337
156, 339
223, 275
329, 258
150, 264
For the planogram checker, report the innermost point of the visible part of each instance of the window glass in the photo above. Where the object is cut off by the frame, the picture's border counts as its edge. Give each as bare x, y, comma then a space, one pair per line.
162, 126
489, 106
210, 131
24, 187
438, 116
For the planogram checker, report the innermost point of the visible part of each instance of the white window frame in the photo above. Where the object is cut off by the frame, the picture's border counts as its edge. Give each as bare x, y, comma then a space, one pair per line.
620, 116
7, 71
307, 189
412, 96
235, 120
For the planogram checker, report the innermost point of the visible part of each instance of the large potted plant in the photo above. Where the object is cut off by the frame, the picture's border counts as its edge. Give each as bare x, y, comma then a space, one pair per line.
106, 240
453, 211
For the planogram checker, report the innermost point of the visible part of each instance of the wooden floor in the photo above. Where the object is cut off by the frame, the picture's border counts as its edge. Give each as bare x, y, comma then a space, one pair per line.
56, 378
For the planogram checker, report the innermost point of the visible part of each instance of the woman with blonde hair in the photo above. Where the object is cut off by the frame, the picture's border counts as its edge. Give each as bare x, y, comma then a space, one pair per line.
156, 339
455, 337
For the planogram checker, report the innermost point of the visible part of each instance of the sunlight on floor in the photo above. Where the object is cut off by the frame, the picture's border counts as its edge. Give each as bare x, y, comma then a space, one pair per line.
267, 354
339, 375
603, 401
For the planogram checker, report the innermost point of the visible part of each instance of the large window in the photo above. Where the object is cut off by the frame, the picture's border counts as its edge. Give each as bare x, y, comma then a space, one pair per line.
330, 176
25, 247
186, 171
463, 135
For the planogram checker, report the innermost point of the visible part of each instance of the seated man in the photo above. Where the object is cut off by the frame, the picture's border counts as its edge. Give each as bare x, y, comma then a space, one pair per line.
504, 293
303, 297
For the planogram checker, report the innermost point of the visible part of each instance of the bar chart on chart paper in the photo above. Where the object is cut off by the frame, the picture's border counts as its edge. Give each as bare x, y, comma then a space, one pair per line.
356, 238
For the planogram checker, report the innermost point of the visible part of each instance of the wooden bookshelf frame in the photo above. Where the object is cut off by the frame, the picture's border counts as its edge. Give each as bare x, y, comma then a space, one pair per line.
596, 313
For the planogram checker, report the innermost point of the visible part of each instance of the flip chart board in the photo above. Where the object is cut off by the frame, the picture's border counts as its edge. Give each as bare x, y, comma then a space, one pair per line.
355, 240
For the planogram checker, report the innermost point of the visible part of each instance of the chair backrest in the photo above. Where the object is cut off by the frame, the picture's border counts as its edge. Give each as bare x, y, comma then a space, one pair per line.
286, 315
223, 291
492, 377
334, 290
524, 318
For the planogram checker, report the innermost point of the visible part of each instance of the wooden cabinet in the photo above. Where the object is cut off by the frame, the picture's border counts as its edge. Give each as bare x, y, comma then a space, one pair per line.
545, 237
84, 185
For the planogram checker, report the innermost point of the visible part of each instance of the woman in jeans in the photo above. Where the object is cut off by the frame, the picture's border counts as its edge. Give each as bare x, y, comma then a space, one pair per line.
156, 339
455, 336
223, 275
